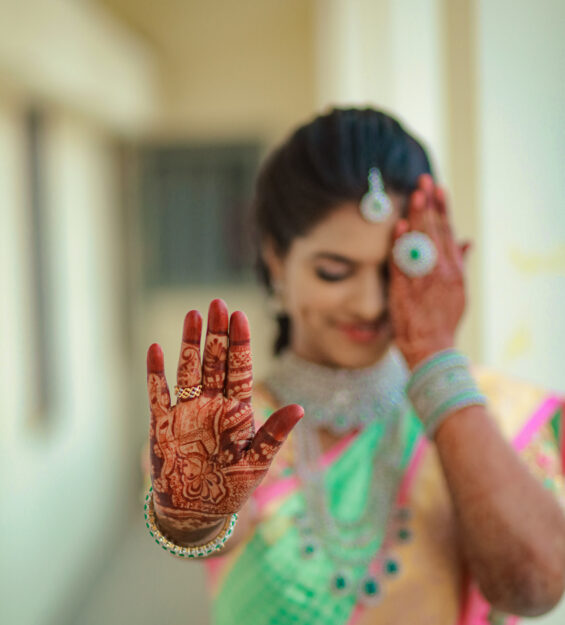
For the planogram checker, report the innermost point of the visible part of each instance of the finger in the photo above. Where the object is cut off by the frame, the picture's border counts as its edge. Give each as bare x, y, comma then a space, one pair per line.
157, 388
426, 184
239, 381
465, 248
400, 227
160, 404
215, 348
429, 215
445, 230
274, 432
441, 203
416, 208
236, 428
189, 371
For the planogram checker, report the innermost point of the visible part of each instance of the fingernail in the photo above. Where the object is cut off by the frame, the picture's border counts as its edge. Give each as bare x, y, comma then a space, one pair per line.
155, 360
419, 199
218, 317
239, 327
401, 226
293, 414
192, 328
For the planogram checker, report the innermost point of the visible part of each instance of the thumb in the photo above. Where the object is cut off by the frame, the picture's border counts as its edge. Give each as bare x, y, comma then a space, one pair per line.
278, 426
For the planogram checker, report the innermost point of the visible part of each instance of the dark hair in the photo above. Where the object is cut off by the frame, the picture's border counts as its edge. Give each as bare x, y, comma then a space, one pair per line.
322, 165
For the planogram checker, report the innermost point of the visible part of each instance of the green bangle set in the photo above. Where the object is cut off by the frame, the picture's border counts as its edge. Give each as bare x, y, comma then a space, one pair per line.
198, 551
441, 385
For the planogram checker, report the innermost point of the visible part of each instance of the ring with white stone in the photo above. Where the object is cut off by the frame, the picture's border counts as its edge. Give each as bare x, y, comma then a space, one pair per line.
415, 254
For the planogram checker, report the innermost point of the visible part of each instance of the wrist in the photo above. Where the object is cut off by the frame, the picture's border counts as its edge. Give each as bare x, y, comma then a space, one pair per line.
186, 527
210, 540
416, 355
191, 535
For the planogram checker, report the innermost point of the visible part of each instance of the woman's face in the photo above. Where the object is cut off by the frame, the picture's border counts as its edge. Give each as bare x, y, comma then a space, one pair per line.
333, 284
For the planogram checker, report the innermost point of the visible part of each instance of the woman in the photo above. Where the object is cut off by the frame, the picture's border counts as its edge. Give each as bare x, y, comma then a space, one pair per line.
399, 496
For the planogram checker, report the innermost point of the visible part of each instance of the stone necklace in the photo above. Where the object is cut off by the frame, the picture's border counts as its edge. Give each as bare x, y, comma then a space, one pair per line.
341, 401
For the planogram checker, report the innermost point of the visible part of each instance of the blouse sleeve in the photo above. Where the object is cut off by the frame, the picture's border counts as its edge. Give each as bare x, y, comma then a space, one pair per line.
544, 454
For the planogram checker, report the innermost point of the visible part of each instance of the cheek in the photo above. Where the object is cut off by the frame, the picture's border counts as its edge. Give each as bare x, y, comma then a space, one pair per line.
313, 298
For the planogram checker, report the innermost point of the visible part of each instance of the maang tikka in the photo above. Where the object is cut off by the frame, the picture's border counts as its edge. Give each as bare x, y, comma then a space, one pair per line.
376, 205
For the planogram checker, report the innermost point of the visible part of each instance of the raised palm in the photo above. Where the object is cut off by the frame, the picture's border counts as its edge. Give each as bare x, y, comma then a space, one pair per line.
206, 458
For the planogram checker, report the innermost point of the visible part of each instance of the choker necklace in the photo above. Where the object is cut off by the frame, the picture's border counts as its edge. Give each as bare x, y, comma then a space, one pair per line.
342, 400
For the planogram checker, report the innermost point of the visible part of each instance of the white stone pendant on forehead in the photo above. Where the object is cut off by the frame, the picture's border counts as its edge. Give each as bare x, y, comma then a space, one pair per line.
376, 206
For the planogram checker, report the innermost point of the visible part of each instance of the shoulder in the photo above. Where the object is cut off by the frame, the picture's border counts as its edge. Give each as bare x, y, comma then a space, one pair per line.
532, 418
512, 401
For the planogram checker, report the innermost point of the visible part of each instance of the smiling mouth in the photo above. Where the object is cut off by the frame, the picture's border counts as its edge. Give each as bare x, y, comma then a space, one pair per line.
364, 332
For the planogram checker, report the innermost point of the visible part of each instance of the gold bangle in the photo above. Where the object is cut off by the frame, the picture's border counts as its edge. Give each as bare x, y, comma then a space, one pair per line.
199, 551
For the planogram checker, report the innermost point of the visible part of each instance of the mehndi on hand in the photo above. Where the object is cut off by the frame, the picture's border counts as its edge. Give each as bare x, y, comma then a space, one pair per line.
206, 458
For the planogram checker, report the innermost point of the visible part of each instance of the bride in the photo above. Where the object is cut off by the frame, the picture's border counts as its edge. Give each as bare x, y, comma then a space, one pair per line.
411, 487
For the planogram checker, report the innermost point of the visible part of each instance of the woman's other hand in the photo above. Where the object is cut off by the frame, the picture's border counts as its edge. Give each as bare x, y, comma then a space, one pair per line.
206, 458
426, 310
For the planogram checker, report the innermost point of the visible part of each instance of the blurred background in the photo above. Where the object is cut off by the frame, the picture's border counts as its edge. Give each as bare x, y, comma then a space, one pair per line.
130, 134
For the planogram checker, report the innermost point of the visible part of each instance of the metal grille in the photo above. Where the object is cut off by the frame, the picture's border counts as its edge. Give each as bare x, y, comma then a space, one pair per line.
195, 206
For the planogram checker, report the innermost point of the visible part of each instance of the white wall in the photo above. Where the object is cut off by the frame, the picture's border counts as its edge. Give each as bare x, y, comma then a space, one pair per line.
521, 104
63, 470
521, 144
385, 53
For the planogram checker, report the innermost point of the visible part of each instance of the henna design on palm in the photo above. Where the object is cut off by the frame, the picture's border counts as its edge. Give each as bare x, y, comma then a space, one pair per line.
206, 458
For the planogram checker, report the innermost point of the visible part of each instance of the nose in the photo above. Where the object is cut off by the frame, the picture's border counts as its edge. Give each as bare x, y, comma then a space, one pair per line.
368, 297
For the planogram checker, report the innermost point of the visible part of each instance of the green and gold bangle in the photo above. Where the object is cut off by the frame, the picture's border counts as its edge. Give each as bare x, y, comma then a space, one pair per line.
198, 551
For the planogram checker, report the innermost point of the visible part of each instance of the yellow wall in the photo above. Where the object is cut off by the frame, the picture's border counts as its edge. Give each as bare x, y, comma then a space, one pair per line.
228, 69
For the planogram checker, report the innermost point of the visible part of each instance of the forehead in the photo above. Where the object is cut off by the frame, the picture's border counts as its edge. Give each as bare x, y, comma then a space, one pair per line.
346, 233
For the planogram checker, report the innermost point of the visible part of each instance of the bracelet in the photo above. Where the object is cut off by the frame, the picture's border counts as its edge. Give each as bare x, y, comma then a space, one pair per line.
199, 551
440, 385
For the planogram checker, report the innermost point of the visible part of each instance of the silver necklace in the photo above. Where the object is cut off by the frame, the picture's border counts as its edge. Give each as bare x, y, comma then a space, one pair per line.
341, 401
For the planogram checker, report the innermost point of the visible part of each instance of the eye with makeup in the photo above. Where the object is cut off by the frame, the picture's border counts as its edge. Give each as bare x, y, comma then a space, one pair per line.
331, 276
332, 268
333, 271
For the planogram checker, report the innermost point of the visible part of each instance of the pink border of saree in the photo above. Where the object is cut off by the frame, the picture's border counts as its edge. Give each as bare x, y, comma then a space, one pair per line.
476, 609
